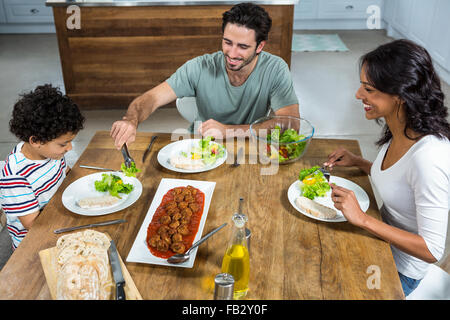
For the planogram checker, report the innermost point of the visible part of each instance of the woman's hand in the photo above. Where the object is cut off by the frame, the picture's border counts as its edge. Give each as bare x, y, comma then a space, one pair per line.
344, 158
345, 201
341, 158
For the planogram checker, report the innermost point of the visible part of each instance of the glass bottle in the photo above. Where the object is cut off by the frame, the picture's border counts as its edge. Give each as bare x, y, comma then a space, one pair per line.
236, 260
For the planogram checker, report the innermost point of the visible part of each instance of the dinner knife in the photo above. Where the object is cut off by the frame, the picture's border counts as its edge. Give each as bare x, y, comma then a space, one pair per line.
237, 162
117, 271
96, 168
149, 148
104, 223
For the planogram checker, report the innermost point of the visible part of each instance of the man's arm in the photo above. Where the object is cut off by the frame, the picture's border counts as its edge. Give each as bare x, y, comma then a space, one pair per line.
214, 128
124, 131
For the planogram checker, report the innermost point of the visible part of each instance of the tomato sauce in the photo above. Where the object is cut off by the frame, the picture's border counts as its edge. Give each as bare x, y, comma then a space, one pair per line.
193, 224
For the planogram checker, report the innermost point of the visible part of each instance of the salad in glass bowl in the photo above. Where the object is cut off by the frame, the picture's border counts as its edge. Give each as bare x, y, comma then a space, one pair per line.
286, 137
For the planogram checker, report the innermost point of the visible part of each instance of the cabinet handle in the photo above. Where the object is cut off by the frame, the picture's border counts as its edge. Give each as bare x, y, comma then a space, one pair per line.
350, 7
34, 11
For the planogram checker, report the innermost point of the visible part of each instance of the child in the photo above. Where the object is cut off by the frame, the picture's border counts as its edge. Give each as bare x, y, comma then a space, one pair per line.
46, 122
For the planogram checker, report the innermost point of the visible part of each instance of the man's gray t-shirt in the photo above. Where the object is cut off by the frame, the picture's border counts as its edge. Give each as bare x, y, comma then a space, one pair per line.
205, 77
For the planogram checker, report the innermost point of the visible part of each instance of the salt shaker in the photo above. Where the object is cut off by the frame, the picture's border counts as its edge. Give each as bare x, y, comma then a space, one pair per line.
223, 286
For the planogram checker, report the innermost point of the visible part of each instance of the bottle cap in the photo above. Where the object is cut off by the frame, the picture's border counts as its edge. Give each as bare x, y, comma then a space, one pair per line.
239, 219
223, 286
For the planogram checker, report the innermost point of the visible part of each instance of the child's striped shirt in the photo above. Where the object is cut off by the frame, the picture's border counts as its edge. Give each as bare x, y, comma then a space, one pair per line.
26, 186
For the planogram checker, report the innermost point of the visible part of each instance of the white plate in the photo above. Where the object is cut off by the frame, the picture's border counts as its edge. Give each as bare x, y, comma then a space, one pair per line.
362, 197
175, 148
85, 187
139, 251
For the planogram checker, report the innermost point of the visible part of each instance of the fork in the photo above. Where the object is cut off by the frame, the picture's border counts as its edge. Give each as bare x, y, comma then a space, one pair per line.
326, 173
126, 156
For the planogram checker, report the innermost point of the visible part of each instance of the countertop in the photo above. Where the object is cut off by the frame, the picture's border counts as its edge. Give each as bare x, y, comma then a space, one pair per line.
127, 3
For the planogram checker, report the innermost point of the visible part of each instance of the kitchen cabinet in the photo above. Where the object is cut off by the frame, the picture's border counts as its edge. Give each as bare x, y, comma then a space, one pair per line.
2, 13
110, 61
27, 11
333, 14
25, 16
426, 23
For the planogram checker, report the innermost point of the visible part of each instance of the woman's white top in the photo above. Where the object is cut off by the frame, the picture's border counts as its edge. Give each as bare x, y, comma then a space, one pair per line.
415, 194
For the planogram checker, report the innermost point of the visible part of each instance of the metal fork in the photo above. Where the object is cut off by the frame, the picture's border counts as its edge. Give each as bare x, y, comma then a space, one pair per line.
126, 156
326, 173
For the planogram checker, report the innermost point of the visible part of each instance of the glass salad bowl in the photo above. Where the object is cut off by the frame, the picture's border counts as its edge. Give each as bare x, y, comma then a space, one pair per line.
285, 138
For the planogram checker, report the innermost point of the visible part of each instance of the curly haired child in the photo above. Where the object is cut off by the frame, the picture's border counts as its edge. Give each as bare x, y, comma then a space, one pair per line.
46, 121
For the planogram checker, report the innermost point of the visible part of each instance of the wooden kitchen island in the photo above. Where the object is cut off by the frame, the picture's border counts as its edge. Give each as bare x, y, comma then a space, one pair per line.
124, 48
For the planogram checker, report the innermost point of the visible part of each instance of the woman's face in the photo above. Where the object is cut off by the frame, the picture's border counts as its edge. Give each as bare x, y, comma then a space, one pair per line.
376, 104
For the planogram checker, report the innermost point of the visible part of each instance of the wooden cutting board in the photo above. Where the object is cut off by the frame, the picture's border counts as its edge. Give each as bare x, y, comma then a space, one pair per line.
48, 259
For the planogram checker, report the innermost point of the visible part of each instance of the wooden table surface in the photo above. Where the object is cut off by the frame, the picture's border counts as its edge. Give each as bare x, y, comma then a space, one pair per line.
292, 256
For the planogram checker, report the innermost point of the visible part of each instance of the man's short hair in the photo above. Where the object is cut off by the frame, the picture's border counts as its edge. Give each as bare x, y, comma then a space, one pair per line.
250, 16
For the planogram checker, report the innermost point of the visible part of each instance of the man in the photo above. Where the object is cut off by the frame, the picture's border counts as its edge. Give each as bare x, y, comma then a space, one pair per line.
233, 87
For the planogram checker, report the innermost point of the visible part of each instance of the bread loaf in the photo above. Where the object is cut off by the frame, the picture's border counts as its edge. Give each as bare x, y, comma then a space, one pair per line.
83, 266
316, 209
97, 202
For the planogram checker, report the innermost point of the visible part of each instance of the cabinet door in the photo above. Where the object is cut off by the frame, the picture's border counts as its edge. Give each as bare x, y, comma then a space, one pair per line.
27, 11
402, 15
421, 21
439, 40
2, 13
345, 9
305, 9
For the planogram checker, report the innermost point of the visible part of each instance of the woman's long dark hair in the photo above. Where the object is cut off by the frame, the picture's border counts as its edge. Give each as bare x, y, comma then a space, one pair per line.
405, 69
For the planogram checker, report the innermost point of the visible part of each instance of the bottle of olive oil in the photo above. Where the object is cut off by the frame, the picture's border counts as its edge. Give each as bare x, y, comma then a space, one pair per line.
236, 260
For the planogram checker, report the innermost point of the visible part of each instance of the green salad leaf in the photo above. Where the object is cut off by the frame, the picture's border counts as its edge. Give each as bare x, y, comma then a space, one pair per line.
131, 171
314, 183
114, 184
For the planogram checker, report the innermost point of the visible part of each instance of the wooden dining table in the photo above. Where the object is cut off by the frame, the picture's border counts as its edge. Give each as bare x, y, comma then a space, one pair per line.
292, 256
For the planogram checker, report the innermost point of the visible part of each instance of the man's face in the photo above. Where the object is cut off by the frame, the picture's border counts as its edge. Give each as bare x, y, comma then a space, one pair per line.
239, 46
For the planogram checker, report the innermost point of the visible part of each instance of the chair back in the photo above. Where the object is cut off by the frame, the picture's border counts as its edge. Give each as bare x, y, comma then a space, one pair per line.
187, 107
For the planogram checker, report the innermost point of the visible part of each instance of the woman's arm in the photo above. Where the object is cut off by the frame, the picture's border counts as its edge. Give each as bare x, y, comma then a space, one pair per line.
413, 244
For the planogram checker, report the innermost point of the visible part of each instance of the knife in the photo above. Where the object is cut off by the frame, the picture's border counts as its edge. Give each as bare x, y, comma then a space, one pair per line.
117, 271
96, 168
105, 223
149, 148
237, 162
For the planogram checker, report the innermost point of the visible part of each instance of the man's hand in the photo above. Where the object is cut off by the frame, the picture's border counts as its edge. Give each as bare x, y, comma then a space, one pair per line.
123, 131
213, 128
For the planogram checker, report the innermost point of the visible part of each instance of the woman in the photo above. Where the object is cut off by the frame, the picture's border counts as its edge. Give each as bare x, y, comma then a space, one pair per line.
412, 169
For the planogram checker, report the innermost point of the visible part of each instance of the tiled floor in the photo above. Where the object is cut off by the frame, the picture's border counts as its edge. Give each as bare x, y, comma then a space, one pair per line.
325, 83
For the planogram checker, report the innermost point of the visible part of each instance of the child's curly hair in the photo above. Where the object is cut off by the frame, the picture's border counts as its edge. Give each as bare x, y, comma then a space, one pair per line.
45, 114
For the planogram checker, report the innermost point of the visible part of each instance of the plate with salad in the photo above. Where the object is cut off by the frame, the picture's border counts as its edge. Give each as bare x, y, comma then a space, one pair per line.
311, 184
192, 155
101, 193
